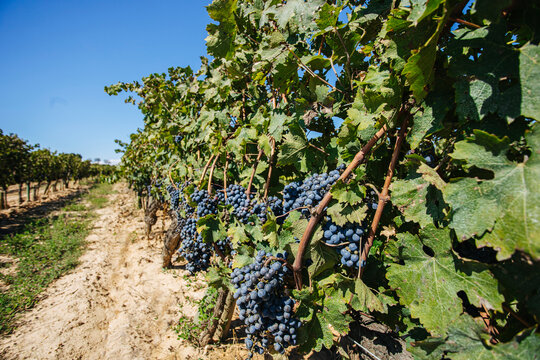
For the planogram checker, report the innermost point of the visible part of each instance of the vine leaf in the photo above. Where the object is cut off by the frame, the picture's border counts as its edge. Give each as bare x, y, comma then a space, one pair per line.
296, 151
428, 120
298, 12
326, 311
417, 198
364, 299
429, 261
508, 206
343, 213
419, 69
220, 38
529, 73
467, 340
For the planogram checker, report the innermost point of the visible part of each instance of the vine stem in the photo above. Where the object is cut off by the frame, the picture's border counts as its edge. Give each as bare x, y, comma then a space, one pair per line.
311, 72
316, 216
464, 22
383, 196
211, 175
205, 169
220, 254
290, 211
248, 191
513, 313
270, 258
169, 174
225, 174
270, 166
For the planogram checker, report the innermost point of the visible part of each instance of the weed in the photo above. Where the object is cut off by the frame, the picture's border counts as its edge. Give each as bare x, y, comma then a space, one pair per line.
190, 329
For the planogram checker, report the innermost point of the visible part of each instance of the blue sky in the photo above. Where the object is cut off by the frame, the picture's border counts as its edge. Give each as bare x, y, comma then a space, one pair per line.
58, 55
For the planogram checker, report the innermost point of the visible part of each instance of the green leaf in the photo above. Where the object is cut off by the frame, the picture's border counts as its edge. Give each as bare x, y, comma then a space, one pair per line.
417, 199
315, 334
529, 73
428, 120
322, 258
270, 230
467, 340
344, 213
507, 206
419, 69
297, 11
364, 299
423, 8
431, 276
351, 193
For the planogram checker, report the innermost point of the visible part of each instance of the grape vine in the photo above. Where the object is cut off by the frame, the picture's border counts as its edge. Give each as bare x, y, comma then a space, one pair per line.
389, 148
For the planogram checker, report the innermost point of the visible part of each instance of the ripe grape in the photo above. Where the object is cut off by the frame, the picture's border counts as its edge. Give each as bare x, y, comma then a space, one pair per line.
346, 240
263, 305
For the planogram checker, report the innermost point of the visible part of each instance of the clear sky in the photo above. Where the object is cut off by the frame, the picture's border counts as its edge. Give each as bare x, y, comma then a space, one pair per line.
56, 57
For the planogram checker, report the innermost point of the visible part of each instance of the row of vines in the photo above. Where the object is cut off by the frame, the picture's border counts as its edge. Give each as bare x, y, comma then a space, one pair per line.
337, 162
22, 163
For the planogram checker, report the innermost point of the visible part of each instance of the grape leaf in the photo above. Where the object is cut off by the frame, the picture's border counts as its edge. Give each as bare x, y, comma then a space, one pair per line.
428, 120
432, 275
467, 340
417, 199
508, 205
364, 299
529, 73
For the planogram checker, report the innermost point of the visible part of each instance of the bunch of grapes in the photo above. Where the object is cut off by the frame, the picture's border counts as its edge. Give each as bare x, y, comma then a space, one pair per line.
261, 209
224, 245
263, 305
237, 197
189, 230
174, 195
197, 253
308, 193
346, 240
206, 204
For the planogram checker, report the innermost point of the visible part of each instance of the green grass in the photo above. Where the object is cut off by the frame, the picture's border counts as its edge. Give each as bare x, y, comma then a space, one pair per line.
45, 250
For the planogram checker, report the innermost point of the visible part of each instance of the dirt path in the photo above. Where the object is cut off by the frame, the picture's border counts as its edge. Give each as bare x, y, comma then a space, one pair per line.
117, 304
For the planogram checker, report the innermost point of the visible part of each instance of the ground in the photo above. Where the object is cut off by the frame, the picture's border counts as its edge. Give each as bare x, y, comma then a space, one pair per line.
117, 304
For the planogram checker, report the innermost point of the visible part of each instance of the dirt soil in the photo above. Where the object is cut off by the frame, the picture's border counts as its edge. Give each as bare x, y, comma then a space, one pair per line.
117, 304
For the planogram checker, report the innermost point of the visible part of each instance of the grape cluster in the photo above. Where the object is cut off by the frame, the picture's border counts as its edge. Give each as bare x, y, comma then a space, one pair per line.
224, 245
197, 253
189, 230
263, 305
346, 240
275, 205
206, 204
174, 195
237, 197
308, 193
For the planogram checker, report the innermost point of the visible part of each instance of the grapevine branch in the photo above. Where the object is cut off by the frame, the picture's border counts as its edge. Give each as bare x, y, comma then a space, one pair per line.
205, 169
270, 166
225, 174
248, 191
169, 174
211, 175
383, 196
513, 313
467, 23
308, 233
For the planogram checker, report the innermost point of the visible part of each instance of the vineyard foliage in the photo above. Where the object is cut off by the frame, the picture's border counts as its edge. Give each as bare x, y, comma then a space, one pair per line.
23, 163
441, 97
